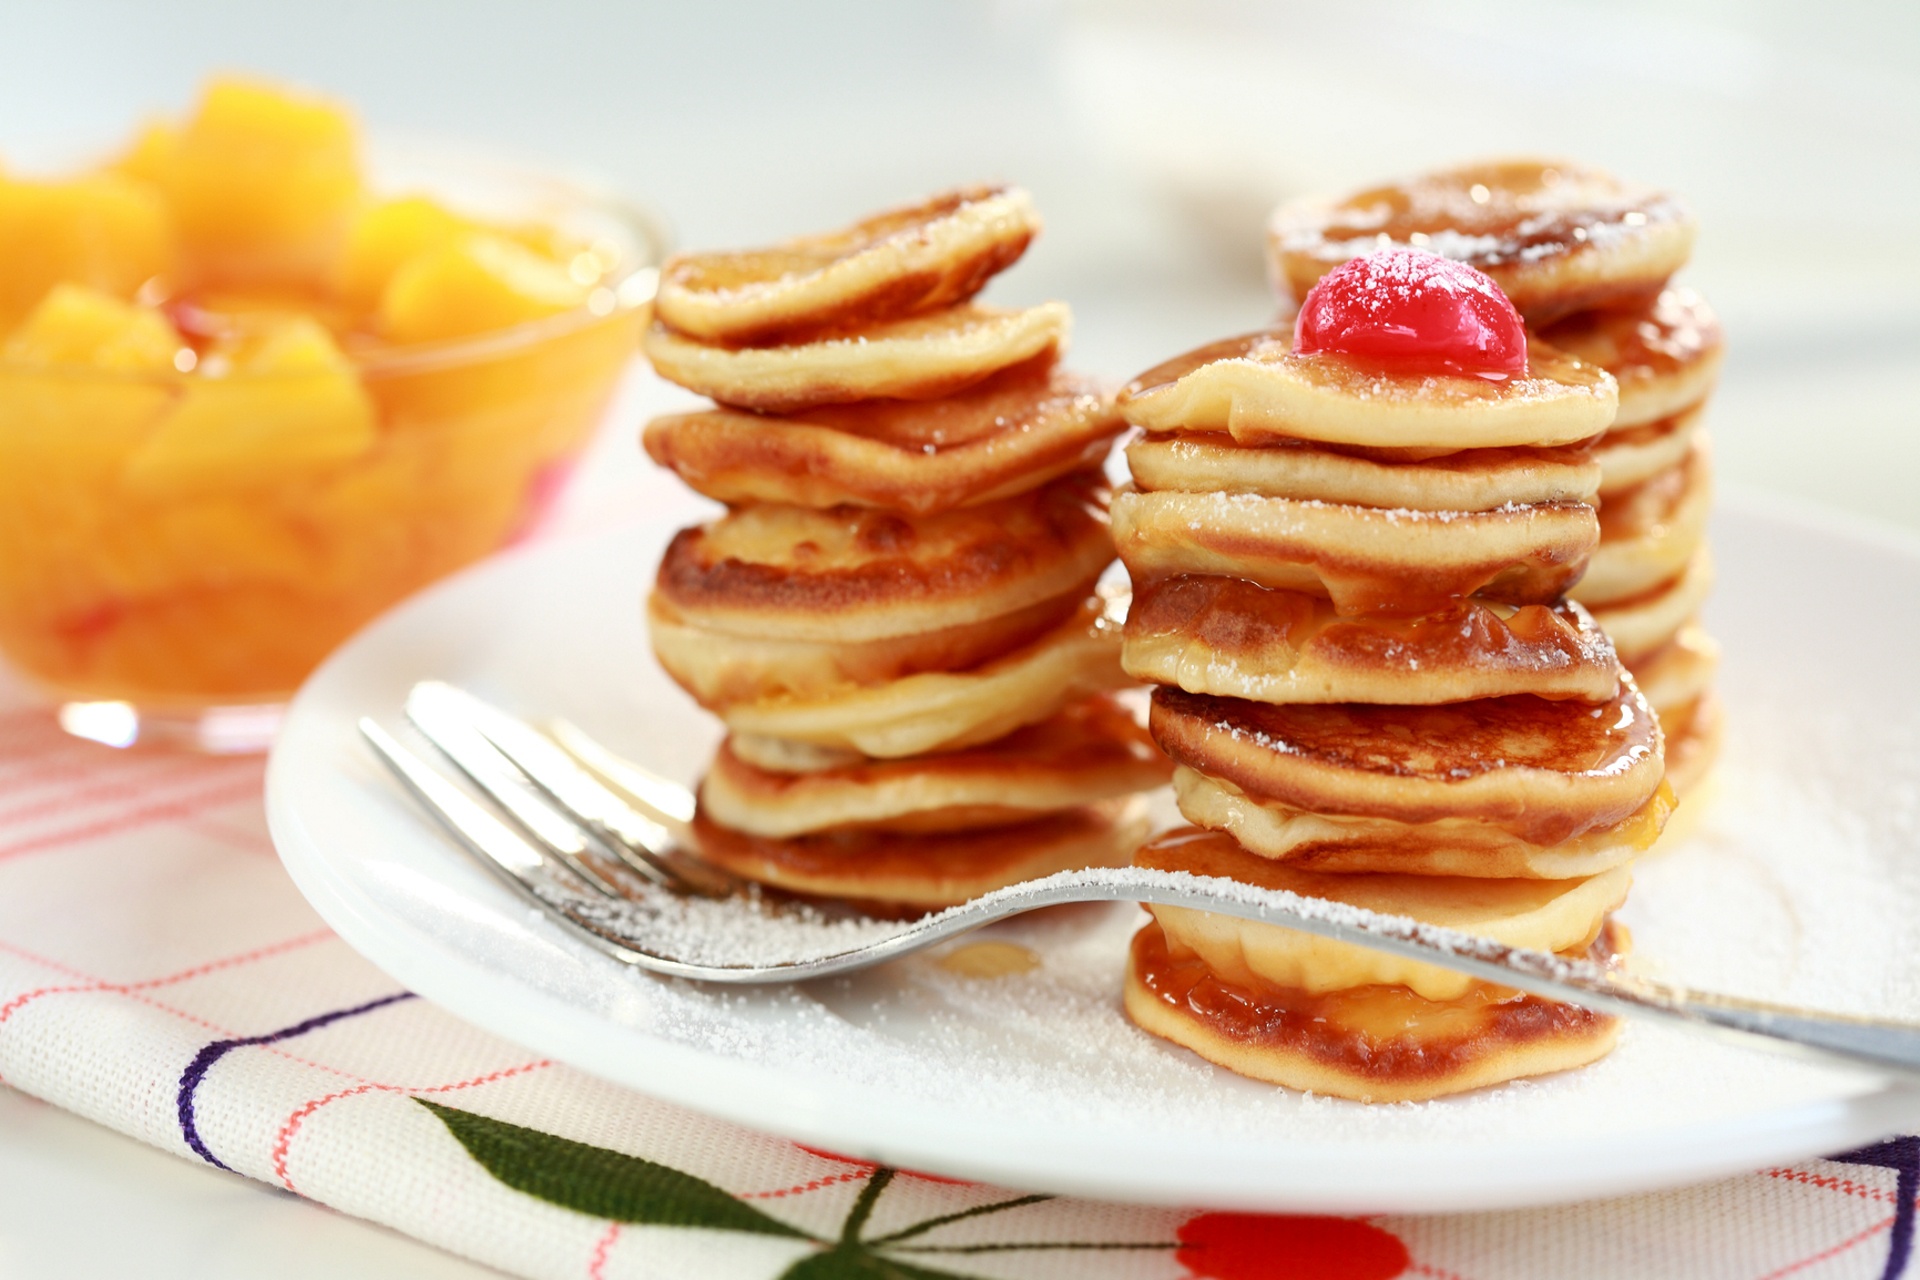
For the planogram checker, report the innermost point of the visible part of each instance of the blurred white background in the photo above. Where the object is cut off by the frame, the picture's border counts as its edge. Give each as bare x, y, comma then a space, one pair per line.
1155, 136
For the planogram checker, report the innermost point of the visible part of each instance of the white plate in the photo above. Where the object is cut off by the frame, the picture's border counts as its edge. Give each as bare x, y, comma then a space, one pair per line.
1800, 879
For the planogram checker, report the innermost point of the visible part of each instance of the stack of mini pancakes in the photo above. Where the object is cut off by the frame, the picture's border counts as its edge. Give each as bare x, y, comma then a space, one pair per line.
1586, 259
1647, 579
1350, 593
897, 616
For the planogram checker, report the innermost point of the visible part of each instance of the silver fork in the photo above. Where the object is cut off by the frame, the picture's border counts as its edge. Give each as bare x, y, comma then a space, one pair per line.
612, 865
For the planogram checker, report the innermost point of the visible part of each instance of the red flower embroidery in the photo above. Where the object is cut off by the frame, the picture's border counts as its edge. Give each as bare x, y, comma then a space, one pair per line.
1254, 1246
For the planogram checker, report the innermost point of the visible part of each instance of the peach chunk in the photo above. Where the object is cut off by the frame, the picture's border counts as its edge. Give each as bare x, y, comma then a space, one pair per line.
478, 282
78, 326
263, 182
272, 403
386, 235
104, 230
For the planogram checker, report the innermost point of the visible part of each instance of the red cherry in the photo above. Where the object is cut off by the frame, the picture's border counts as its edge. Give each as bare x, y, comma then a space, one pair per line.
1410, 311
1255, 1246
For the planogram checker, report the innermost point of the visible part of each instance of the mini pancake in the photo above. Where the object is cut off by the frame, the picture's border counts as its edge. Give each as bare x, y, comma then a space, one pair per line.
721, 669
1235, 638
1665, 355
944, 711
933, 870
1013, 432
1649, 533
1091, 751
1540, 915
918, 358
1470, 480
898, 263
1371, 1044
1556, 237
1630, 456
1367, 560
1678, 673
1695, 732
853, 574
1341, 845
1255, 389
1543, 771
1640, 624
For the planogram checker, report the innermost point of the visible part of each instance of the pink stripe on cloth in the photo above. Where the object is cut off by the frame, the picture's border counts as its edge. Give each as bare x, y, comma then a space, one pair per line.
284, 1142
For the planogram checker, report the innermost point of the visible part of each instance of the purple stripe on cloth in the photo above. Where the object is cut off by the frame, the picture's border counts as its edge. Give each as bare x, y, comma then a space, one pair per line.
1902, 1155
203, 1062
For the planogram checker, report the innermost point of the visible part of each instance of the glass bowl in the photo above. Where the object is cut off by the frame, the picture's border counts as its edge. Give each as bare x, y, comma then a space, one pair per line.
184, 600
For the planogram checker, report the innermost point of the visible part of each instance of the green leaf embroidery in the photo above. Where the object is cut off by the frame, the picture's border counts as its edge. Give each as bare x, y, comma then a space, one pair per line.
852, 1262
610, 1184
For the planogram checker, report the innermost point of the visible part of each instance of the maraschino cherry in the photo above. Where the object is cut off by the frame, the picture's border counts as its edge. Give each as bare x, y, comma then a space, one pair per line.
1410, 311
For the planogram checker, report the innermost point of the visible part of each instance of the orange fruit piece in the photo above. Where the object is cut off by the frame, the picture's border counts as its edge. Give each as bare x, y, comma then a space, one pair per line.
104, 230
477, 282
273, 403
77, 326
263, 182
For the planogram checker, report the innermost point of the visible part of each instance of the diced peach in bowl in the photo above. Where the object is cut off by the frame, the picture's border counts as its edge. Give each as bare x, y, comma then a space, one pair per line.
251, 396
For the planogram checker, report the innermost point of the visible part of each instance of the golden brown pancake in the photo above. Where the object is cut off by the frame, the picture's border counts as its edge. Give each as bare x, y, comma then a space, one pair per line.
1091, 751
1367, 560
898, 263
1674, 676
1556, 236
1470, 480
1238, 639
1256, 390
1371, 1044
1631, 456
1341, 845
721, 669
1665, 354
947, 710
1695, 732
1640, 624
1543, 771
917, 358
1540, 915
855, 574
1650, 532
934, 870
1013, 432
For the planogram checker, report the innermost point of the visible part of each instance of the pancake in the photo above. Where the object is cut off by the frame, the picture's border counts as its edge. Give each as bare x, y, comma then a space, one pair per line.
1556, 237
1650, 532
721, 669
1640, 624
1676, 675
1470, 480
1255, 389
1630, 456
1371, 560
853, 574
1543, 771
917, 358
1540, 915
944, 711
1371, 1044
1665, 355
1341, 845
1013, 432
1695, 732
1235, 638
1091, 751
929, 871
919, 258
